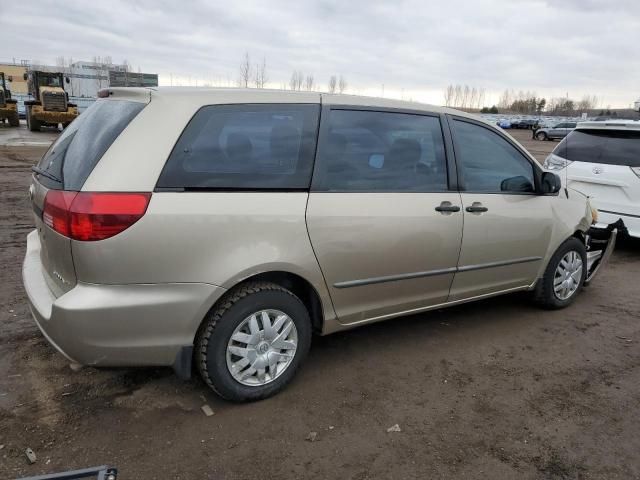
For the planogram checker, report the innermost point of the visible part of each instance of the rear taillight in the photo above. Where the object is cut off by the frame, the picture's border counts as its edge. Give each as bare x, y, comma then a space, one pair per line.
90, 216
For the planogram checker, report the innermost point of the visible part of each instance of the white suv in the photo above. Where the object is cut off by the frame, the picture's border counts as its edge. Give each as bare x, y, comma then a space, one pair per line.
602, 160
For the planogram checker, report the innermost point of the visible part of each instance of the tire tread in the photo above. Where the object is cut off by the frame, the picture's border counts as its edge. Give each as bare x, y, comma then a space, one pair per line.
208, 327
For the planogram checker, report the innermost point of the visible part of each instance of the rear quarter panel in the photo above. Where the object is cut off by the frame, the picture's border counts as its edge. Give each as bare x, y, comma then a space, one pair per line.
218, 238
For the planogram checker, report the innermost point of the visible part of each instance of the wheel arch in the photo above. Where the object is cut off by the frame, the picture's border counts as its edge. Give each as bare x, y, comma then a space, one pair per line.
298, 285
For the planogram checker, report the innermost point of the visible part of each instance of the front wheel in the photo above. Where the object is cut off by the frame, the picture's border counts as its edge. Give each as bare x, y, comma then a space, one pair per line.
250, 347
564, 275
542, 136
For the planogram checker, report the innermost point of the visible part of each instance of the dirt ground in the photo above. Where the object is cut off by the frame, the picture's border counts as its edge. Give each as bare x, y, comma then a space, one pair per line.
497, 389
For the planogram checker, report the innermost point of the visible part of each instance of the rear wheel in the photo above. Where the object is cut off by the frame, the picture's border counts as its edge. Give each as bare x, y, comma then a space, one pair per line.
564, 276
250, 347
541, 136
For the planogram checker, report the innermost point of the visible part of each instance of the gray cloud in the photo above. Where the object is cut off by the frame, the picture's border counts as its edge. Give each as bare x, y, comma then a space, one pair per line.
551, 47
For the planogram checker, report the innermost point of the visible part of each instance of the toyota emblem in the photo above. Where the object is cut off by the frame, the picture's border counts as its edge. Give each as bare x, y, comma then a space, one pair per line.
598, 170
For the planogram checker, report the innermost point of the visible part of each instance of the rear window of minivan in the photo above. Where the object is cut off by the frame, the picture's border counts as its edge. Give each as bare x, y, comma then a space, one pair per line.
244, 147
79, 148
611, 147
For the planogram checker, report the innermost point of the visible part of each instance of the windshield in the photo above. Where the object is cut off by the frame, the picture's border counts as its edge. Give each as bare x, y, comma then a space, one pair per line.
613, 147
49, 81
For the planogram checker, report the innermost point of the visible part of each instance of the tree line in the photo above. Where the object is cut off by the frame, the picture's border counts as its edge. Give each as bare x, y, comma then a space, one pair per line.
255, 76
458, 96
523, 102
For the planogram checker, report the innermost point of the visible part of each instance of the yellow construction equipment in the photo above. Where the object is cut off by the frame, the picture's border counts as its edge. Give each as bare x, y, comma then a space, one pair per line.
8, 106
51, 105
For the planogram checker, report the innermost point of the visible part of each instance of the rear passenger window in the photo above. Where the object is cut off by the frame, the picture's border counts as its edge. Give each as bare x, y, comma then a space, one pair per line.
250, 147
366, 151
489, 163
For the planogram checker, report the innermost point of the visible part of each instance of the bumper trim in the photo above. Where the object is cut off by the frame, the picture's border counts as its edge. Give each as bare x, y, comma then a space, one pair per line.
597, 258
619, 213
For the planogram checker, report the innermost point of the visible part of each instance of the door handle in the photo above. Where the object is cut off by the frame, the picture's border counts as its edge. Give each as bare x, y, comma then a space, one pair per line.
446, 207
476, 207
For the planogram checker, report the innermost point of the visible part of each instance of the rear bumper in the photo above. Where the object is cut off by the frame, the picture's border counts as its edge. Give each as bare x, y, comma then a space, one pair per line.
631, 222
117, 325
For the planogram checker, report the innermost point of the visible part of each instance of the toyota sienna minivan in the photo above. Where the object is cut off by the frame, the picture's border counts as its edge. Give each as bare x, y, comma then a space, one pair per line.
221, 228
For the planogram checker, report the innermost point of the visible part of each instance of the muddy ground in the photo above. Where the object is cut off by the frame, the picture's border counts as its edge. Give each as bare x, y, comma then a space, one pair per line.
497, 389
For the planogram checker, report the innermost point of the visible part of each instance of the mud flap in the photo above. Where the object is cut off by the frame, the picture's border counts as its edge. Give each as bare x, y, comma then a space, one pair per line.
600, 244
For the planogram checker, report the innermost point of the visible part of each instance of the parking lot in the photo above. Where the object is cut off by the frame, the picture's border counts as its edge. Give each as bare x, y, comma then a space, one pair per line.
495, 389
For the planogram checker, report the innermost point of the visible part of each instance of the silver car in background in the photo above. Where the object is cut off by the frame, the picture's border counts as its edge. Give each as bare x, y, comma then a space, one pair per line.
225, 235
556, 132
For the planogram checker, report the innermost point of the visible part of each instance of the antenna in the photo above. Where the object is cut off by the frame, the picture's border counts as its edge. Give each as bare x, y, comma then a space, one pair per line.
566, 168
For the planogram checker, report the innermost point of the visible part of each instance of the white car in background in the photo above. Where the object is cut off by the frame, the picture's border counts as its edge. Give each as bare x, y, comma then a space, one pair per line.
602, 160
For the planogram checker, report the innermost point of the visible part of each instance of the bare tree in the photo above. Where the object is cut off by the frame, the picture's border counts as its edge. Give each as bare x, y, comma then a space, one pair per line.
473, 97
333, 83
481, 95
342, 84
296, 81
448, 95
261, 74
465, 96
245, 71
457, 95
309, 82
588, 102
506, 99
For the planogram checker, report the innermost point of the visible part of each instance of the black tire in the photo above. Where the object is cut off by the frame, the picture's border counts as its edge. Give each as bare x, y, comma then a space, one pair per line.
542, 136
219, 325
33, 124
544, 293
14, 120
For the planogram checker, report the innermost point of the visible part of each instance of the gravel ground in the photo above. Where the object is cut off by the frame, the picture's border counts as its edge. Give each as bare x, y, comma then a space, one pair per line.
496, 389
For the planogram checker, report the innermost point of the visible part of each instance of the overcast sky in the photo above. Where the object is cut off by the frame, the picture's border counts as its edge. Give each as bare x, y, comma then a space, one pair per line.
413, 48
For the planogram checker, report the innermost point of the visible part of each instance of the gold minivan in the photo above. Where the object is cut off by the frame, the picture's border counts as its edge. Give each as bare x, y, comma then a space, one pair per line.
221, 228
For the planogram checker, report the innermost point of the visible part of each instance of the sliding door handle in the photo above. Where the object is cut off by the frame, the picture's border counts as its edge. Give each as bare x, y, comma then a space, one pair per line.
447, 207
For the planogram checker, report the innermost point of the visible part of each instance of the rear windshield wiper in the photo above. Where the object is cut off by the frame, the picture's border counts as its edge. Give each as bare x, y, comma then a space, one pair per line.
44, 173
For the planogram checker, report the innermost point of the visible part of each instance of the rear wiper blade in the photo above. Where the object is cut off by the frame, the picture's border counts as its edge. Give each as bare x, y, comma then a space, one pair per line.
44, 173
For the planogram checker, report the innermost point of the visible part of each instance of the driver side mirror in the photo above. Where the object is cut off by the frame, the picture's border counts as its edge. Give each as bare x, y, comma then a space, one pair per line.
25, 76
516, 184
66, 79
550, 183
